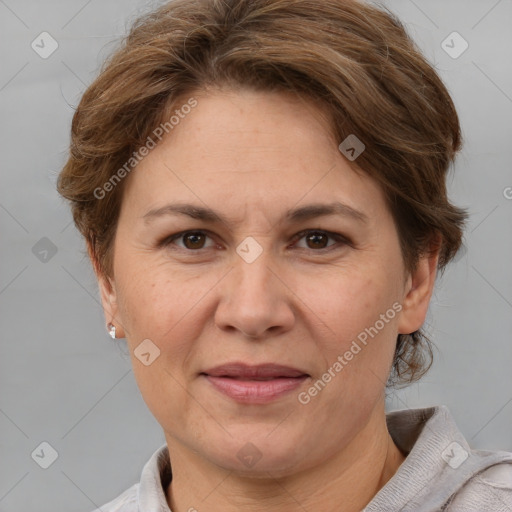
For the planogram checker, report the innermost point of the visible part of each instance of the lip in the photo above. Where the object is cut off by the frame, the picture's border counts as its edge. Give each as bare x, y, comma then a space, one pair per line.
261, 371
255, 384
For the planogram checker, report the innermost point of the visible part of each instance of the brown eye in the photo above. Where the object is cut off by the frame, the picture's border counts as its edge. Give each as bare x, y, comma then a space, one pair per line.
317, 240
190, 240
193, 240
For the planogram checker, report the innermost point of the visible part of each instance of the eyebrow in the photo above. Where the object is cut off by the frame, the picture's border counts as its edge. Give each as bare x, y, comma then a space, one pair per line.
292, 216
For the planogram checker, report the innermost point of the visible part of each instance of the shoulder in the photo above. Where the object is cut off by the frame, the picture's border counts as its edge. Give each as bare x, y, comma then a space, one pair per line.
125, 502
491, 489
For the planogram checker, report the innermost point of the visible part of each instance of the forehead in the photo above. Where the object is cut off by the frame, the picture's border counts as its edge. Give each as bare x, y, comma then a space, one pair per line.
250, 150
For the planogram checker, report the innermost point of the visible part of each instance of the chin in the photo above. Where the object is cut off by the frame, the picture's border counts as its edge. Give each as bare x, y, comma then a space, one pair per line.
257, 454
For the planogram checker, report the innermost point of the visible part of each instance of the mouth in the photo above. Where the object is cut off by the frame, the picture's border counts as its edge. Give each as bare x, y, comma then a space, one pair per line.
254, 384
243, 371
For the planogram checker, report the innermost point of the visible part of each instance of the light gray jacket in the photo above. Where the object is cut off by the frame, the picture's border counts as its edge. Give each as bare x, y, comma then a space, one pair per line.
441, 472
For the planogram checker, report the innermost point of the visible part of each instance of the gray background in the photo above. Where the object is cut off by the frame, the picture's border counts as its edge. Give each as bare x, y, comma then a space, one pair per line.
64, 381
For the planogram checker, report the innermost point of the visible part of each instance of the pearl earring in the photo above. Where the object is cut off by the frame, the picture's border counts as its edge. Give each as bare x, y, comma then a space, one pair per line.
112, 330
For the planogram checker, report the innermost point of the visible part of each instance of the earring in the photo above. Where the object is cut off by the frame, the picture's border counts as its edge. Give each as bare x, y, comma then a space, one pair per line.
112, 330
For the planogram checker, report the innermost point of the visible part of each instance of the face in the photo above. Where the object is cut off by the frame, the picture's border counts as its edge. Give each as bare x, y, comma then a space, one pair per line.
261, 285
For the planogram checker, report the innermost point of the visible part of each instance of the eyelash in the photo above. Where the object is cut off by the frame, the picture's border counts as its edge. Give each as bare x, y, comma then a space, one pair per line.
166, 242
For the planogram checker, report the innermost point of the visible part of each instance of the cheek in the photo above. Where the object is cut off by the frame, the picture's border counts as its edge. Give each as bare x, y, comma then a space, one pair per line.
158, 308
169, 310
359, 344
147, 294
348, 302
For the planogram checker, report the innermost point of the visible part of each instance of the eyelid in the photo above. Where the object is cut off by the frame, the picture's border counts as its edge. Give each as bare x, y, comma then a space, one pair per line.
168, 240
335, 236
338, 237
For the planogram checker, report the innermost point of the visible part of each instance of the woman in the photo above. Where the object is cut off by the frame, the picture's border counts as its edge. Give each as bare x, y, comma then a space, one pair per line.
261, 186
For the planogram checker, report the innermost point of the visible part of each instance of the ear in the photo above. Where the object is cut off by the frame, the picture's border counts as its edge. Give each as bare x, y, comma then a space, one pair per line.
418, 291
107, 293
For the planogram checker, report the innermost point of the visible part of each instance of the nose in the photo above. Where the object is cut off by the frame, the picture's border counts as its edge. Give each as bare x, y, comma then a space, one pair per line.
255, 299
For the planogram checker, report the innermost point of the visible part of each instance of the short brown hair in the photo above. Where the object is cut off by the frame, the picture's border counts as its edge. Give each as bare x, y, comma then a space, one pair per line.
353, 58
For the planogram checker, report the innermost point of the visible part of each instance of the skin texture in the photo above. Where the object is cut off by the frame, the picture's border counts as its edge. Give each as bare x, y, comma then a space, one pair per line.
251, 156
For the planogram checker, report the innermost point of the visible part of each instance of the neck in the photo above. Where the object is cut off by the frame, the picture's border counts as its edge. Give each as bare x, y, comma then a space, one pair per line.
345, 482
